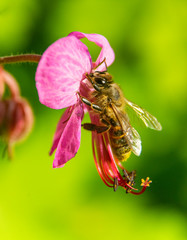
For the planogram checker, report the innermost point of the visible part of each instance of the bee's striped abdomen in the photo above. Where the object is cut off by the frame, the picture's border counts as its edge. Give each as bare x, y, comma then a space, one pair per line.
120, 146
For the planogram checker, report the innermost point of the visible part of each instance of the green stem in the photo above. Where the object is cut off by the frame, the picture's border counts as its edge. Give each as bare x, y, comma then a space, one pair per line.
20, 58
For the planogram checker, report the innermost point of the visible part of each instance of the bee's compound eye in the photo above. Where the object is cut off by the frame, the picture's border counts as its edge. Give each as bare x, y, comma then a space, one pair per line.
100, 81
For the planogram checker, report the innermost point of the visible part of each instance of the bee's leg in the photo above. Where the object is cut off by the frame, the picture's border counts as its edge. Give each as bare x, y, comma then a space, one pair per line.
98, 129
93, 127
104, 121
93, 106
93, 84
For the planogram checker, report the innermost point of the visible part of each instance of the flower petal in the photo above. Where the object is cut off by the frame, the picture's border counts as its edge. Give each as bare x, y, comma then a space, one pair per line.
69, 142
28, 118
60, 71
60, 128
106, 51
2, 85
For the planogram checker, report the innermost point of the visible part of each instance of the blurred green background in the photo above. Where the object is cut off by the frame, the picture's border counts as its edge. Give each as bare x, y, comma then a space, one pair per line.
150, 42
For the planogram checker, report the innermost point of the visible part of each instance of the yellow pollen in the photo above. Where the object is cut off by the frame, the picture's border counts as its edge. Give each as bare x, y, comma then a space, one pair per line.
145, 183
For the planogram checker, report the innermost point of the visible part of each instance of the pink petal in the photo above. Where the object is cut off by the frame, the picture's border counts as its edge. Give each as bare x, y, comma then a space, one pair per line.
106, 51
2, 84
60, 71
10, 81
27, 118
69, 142
60, 128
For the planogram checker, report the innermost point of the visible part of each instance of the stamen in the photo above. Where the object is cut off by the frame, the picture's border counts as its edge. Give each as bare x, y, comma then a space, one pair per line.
115, 186
145, 184
108, 166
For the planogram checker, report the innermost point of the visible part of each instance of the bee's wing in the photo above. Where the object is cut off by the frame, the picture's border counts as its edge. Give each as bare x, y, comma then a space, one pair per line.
135, 141
149, 120
132, 136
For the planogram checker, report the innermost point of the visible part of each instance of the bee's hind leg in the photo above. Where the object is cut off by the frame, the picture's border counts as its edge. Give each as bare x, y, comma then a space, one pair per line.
93, 127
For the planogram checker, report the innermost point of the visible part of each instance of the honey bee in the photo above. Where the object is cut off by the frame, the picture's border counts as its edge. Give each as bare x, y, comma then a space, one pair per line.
109, 103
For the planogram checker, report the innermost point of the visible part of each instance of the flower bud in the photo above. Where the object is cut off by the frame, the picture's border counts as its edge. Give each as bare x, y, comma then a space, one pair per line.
16, 116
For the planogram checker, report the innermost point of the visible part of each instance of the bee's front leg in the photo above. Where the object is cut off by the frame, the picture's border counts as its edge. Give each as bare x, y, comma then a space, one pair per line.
97, 88
92, 105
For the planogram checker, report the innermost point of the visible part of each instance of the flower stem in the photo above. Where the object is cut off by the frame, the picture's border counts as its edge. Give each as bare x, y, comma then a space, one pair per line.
20, 58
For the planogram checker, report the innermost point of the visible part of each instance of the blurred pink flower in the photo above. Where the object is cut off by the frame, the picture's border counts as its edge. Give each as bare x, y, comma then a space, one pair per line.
59, 76
16, 116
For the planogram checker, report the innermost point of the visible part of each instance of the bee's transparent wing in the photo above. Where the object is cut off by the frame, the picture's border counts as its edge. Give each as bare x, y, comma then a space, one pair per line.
135, 142
149, 120
131, 135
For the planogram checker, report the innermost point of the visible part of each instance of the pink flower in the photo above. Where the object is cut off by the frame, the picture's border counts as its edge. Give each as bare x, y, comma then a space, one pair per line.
60, 75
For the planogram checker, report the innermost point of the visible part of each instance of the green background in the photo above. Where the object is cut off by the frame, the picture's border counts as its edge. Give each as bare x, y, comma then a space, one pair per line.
150, 42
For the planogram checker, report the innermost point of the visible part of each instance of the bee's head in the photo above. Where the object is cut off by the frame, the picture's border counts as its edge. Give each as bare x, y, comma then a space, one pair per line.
100, 80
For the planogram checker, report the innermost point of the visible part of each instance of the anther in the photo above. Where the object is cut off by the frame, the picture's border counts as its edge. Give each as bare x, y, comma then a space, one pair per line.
115, 185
